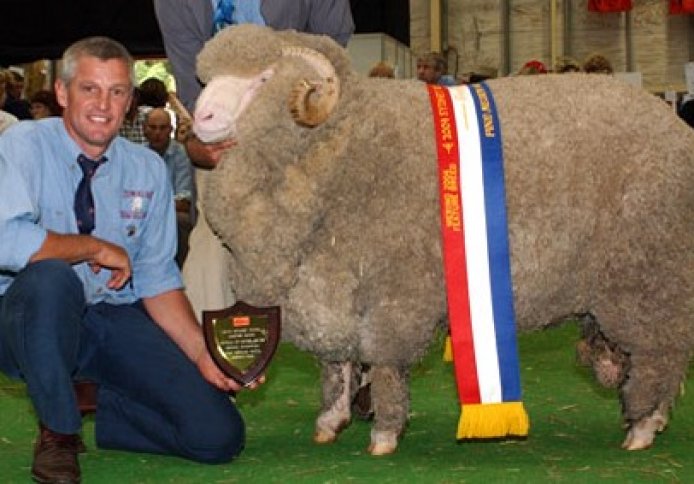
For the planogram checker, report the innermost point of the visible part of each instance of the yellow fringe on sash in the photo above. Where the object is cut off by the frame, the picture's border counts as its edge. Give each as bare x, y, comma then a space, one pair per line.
448, 350
494, 420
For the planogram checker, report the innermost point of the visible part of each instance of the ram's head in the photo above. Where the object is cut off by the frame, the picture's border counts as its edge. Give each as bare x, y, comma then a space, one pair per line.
237, 63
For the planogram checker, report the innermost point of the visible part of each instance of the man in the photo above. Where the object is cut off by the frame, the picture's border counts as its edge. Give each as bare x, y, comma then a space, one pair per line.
6, 119
431, 68
133, 127
185, 27
158, 129
94, 293
15, 104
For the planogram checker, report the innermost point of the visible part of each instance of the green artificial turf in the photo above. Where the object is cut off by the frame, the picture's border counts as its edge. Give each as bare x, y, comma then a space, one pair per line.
575, 433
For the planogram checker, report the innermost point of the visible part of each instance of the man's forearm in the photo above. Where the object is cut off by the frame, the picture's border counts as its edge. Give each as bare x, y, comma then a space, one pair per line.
174, 314
72, 248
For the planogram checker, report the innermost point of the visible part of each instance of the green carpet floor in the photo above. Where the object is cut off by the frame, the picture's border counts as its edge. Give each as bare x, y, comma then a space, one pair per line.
575, 433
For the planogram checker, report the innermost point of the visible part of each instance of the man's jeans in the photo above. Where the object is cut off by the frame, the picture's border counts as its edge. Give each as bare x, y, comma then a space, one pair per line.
152, 398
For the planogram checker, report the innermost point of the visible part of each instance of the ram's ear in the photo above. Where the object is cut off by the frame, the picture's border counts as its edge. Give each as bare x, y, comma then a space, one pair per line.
312, 100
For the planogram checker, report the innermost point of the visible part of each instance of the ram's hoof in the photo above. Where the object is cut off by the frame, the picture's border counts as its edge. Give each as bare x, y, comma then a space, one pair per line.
383, 442
381, 449
642, 433
324, 437
637, 442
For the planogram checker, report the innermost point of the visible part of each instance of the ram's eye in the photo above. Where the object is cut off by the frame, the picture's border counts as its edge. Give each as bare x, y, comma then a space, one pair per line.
265, 76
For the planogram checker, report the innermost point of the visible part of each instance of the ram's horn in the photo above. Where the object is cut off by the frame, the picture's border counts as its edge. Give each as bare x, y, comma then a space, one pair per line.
311, 102
178, 107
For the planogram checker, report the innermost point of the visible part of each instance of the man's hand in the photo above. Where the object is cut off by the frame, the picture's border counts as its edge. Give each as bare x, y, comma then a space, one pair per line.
98, 253
206, 155
116, 259
211, 372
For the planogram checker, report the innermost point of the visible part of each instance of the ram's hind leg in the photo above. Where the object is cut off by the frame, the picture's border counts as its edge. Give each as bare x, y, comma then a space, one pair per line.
391, 403
335, 412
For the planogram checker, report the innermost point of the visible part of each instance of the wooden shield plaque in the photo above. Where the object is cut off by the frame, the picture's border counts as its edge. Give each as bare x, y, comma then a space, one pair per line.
242, 339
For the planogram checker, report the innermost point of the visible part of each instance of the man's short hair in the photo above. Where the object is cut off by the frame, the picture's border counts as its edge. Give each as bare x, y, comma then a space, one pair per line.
103, 48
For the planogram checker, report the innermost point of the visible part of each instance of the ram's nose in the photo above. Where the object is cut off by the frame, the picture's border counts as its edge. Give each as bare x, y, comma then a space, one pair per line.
211, 123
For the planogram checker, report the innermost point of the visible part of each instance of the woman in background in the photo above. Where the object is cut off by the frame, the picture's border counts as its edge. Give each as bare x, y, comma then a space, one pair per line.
44, 104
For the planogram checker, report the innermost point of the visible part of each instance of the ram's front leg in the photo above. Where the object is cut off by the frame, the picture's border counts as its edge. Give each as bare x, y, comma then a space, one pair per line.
391, 403
641, 434
335, 412
652, 385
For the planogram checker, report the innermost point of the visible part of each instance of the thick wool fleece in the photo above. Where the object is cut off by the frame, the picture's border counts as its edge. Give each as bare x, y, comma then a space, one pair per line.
340, 223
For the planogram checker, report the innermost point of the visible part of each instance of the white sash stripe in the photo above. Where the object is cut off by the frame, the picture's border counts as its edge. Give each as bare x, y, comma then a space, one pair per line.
477, 258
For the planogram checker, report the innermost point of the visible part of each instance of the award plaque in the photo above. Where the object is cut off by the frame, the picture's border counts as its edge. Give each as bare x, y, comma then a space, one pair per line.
242, 339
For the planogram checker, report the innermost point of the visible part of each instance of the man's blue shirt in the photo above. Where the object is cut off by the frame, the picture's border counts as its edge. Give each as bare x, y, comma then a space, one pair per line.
133, 202
180, 170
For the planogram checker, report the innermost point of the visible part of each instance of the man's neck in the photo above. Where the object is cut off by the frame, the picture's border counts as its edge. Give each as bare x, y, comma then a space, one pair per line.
161, 150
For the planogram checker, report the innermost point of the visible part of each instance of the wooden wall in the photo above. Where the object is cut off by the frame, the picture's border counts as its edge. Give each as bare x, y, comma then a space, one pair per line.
504, 34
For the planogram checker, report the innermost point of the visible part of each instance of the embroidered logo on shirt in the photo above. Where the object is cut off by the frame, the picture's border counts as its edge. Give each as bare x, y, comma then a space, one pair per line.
137, 203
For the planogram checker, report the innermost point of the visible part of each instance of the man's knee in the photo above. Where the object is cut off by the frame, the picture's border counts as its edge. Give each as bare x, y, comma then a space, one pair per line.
44, 292
48, 276
216, 440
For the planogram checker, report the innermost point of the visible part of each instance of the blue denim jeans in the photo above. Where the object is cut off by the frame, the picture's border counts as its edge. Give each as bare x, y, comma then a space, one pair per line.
151, 397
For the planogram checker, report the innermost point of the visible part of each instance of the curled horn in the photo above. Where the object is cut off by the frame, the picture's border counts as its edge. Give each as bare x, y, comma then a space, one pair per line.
178, 107
312, 101
185, 120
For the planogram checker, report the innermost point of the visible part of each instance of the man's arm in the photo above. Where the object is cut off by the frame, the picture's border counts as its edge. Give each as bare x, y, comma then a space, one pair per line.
327, 17
98, 253
182, 173
185, 27
172, 311
206, 155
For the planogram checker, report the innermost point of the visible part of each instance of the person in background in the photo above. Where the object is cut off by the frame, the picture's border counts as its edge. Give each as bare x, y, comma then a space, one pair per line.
6, 119
158, 129
153, 93
597, 64
686, 111
382, 69
89, 288
44, 104
531, 68
15, 104
150, 94
566, 65
134, 121
431, 68
185, 27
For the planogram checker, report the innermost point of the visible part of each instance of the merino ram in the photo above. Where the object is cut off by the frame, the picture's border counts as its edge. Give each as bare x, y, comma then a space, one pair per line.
329, 206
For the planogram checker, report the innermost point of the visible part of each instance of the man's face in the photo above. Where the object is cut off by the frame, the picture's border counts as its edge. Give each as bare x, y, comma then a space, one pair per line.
426, 71
39, 110
157, 130
15, 89
95, 102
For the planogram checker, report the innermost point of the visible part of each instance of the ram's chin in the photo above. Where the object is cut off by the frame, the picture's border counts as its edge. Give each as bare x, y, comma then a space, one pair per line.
207, 136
